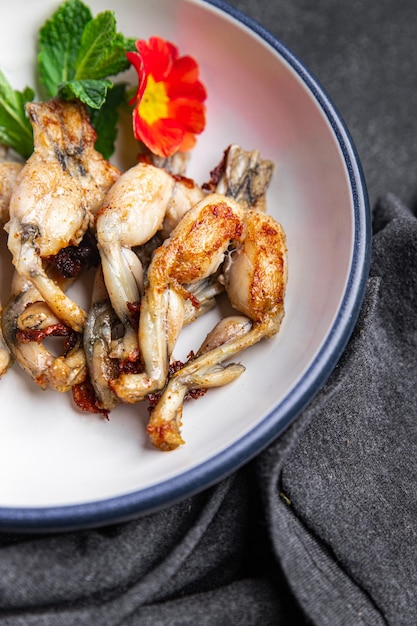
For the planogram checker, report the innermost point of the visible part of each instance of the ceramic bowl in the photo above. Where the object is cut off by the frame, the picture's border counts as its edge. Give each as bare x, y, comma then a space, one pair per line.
61, 468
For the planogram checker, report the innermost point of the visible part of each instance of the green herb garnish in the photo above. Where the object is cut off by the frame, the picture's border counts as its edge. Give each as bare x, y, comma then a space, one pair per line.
15, 129
105, 120
78, 53
78, 56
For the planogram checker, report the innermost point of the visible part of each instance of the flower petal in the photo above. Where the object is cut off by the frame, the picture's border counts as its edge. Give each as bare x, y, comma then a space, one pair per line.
183, 80
163, 137
158, 56
191, 114
188, 142
137, 62
185, 69
169, 108
193, 91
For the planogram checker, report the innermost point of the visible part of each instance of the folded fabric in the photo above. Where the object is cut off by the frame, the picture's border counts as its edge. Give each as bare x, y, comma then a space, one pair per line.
188, 564
320, 529
340, 487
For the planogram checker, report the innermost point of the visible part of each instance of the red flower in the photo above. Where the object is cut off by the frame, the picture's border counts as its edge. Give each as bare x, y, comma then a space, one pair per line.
169, 109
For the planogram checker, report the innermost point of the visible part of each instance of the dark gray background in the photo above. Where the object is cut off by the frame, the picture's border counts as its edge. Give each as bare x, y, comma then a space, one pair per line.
364, 54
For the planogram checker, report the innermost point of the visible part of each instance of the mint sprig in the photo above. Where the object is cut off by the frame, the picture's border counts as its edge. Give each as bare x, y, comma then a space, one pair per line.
15, 128
103, 50
78, 57
78, 53
105, 119
59, 44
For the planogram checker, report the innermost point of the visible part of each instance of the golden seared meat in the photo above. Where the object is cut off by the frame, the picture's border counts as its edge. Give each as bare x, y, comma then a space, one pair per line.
9, 171
243, 175
255, 278
193, 252
250, 246
27, 321
55, 197
5, 354
143, 201
139, 211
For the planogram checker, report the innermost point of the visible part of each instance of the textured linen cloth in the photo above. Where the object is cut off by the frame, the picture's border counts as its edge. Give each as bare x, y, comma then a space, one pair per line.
320, 528
340, 487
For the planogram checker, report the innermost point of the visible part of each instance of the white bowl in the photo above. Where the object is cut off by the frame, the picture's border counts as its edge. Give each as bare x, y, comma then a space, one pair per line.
61, 468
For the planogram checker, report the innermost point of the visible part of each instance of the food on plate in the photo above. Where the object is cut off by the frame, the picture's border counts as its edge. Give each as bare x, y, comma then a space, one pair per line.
252, 247
243, 175
27, 320
55, 198
162, 246
142, 208
5, 355
9, 171
133, 211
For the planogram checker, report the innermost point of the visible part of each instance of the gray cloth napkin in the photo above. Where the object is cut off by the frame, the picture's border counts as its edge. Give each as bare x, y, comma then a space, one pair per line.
340, 487
320, 529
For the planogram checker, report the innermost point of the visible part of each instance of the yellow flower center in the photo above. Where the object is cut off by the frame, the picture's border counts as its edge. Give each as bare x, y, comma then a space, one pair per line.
154, 103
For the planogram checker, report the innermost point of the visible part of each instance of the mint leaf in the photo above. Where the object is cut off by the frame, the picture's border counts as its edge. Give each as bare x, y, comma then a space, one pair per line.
75, 47
91, 92
15, 128
77, 55
59, 44
103, 51
105, 120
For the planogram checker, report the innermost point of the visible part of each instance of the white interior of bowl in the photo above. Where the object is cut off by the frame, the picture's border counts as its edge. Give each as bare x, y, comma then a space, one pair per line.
51, 454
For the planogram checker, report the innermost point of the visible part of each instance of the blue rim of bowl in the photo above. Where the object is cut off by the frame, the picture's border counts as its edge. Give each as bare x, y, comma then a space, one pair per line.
167, 493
